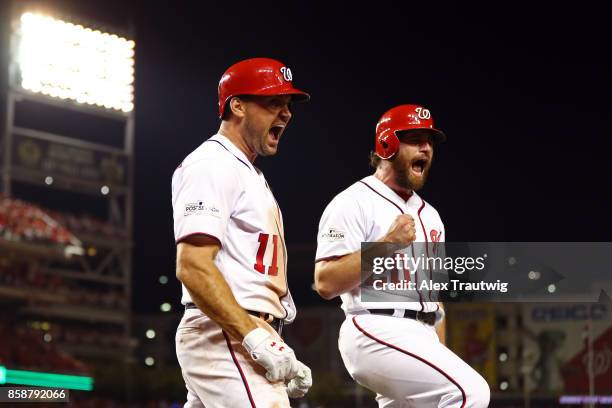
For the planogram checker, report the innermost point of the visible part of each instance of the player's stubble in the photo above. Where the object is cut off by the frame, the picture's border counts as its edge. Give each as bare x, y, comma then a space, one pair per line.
264, 124
257, 135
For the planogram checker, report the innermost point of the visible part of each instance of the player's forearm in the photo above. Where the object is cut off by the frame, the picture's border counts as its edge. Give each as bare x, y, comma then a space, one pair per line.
213, 296
210, 292
337, 276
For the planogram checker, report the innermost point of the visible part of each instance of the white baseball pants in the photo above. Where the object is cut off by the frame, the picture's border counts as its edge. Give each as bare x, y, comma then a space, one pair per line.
218, 371
403, 361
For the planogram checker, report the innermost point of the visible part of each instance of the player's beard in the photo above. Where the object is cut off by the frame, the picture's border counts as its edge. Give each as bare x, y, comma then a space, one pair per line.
258, 136
403, 176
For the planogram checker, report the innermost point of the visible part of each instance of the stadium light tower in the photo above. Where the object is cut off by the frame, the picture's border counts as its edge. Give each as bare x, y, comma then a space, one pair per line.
71, 66
82, 75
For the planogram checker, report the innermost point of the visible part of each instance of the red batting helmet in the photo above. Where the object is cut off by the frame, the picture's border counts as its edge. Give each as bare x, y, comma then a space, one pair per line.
257, 76
398, 119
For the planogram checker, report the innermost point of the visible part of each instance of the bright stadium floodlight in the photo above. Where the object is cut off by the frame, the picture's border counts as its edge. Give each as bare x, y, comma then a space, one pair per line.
68, 61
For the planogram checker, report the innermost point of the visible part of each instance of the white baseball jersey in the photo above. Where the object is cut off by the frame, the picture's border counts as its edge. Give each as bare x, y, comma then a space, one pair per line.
401, 360
216, 191
364, 212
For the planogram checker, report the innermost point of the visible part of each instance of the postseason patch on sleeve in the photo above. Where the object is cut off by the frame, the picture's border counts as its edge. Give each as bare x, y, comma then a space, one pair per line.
202, 208
333, 235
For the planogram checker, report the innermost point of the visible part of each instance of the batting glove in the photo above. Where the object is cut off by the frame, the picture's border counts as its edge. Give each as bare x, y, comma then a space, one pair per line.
301, 383
272, 354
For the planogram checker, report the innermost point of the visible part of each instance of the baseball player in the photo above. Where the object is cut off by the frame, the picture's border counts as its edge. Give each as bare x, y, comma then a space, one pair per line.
392, 348
231, 254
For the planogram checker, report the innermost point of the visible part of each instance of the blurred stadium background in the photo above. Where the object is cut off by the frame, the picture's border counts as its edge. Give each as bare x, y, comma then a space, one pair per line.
66, 245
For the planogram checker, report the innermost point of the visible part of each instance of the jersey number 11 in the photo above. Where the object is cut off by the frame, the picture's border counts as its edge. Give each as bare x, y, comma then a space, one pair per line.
263, 245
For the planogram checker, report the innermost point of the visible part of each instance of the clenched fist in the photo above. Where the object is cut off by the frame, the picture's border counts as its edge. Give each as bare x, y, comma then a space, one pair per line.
402, 231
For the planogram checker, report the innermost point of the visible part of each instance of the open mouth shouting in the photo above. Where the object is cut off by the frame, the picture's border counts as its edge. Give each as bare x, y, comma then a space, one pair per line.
276, 131
419, 166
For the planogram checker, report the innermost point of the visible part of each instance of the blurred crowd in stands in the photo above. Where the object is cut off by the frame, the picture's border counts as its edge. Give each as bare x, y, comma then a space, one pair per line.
26, 276
24, 347
87, 225
107, 299
22, 221
26, 222
81, 336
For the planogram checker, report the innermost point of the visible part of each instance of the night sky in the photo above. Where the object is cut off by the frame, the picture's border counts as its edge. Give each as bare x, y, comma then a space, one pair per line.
523, 92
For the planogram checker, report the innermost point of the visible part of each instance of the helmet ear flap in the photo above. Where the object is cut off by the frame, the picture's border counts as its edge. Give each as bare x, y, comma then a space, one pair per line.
387, 144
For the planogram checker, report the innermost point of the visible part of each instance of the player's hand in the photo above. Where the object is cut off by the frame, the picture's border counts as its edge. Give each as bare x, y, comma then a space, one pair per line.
401, 231
301, 383
272, 354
